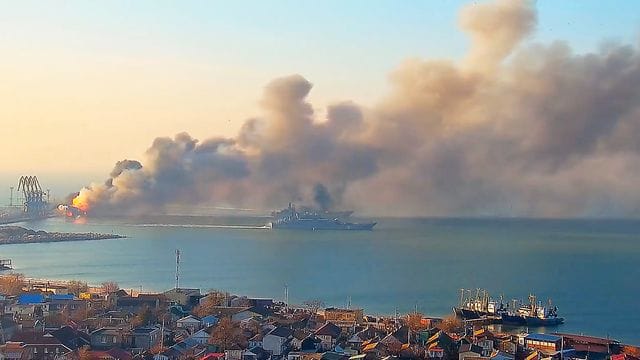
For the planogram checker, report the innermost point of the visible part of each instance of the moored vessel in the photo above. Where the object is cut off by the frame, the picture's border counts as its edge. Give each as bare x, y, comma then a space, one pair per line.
290, 218
532, 314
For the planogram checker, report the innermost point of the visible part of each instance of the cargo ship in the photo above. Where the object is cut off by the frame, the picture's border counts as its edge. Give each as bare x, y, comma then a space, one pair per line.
478, 306
290, 218
532, 314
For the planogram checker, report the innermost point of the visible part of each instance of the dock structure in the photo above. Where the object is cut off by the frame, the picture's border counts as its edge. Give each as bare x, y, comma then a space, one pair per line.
483, 321
5, 264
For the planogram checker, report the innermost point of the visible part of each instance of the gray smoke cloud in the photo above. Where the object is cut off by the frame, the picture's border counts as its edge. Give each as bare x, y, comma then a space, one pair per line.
513, 129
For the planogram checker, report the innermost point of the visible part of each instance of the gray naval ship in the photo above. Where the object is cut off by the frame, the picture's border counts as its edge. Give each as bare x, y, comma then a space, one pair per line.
309, 219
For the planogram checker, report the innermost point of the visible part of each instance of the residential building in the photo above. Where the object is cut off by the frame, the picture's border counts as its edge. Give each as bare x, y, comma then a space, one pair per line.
344, 318
277, 340
546, 343
328, 335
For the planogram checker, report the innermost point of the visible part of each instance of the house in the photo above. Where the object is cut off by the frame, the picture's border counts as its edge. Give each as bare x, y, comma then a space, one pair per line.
277, 340
136, 304
310, 344
177, 312
201, 336
71, 338
249, 355
344, 318
9, 327
209, 321
256, 340
111, 354
107, 338
545, 343
183, 296
298, 336
328, 335
304, 356
190, 323
588, 346
356, 340
28, 306
250, 312
233, 353
145, 337
261, 354
392, 343
38, 345
434, 352
374, 349
213, 356
332, 355
470, 351
443, 341
499, 355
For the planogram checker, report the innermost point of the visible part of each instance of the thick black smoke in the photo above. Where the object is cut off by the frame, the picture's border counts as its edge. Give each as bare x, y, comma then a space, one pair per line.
532, 130
322, 197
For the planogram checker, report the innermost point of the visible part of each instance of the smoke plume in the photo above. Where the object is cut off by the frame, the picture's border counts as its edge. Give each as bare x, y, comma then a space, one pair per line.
322, 197
514, 129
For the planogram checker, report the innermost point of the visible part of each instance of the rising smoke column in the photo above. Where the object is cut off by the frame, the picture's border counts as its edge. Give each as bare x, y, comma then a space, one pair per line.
513, 128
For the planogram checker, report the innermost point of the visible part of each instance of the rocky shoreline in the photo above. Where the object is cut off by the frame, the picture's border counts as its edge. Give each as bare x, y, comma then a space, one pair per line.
20, 235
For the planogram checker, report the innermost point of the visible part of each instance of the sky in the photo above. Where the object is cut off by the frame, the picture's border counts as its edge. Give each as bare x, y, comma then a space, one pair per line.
86, 84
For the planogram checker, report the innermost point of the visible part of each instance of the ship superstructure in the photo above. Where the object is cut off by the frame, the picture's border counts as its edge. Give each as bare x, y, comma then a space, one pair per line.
308, 219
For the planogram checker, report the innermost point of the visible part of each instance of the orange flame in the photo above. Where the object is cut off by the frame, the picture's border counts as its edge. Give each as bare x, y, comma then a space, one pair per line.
81, 203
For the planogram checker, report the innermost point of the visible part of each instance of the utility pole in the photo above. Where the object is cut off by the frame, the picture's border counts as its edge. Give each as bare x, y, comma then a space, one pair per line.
177, 269
11, 197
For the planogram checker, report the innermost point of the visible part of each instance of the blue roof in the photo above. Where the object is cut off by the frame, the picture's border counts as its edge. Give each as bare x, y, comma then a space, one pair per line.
543, 337
25, 299
61, 297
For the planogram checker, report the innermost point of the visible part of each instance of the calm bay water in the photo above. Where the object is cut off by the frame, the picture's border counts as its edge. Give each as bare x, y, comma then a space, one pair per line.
590, 268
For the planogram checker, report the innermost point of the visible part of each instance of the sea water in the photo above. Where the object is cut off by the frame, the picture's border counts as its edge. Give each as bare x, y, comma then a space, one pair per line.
589, 268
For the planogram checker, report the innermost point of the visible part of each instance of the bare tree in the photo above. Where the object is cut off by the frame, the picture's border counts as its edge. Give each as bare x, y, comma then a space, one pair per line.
76, 287
109, 287
314, 305
226, 334
414, 321
12, 284
213, 299
450, 324
144, 317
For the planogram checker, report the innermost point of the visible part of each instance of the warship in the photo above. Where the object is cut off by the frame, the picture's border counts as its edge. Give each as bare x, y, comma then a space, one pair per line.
309, 219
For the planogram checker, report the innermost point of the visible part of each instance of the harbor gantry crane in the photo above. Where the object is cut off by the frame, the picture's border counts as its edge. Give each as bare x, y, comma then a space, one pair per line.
35, 200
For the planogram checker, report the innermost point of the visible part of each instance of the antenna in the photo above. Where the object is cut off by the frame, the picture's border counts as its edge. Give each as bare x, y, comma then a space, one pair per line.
286, 296
177, 269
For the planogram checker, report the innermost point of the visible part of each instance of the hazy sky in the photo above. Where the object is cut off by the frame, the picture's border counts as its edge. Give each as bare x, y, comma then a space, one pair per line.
84, 84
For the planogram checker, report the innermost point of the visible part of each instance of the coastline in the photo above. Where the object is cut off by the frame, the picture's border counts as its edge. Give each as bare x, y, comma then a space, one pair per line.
20, 235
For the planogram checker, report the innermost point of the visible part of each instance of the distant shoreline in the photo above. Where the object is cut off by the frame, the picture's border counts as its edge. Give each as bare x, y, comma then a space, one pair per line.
19, 235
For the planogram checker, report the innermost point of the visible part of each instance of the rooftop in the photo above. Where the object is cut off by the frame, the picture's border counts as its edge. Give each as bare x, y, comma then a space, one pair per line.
543, 337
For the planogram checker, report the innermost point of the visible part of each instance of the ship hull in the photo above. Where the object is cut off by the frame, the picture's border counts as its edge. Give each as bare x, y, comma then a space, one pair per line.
321, 225
520, 320
466, 314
